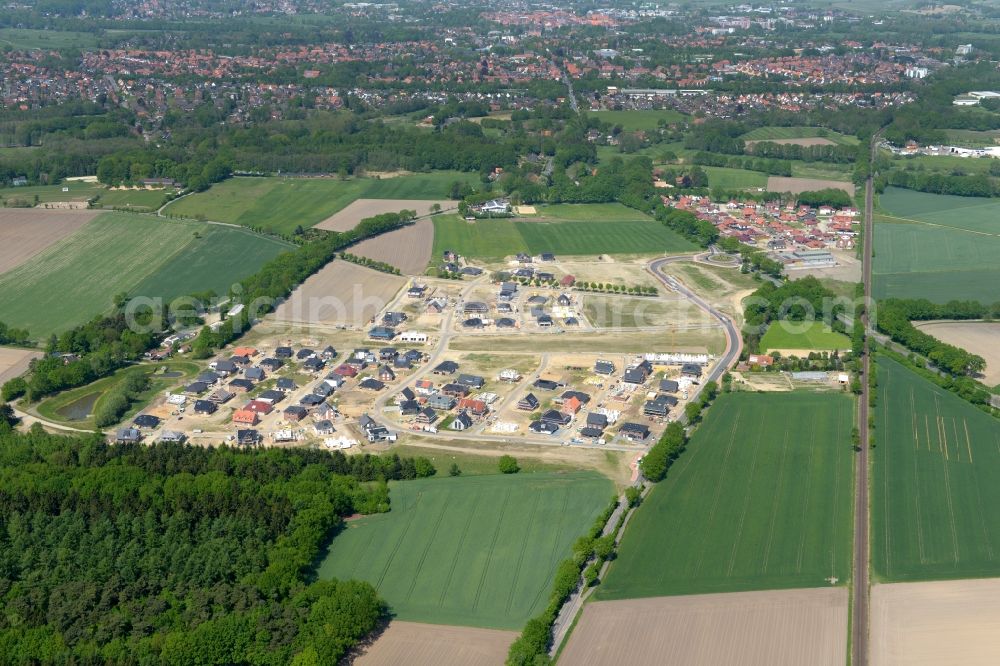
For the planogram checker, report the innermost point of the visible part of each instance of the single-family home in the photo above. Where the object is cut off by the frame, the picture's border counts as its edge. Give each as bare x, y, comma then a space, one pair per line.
128, 436
295, 413
442, 402
146, 421
461, 422
245, 417
635, 432
528, 403
205, 407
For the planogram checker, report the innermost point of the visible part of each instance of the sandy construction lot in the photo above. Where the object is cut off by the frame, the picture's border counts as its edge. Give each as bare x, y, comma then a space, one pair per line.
408, 249
14, 362
348, 217
811, 141
796, 185
24, 232
978, 337
943, 622
418, 644
342, 293
792, 627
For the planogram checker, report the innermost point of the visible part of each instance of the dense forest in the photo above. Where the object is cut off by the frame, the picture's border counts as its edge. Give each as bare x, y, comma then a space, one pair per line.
179, 555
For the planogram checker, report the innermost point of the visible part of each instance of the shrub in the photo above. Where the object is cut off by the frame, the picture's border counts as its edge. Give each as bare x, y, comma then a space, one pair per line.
508, 465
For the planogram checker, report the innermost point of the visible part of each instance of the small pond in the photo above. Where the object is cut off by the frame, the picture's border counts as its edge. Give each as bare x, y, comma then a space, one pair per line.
79, 409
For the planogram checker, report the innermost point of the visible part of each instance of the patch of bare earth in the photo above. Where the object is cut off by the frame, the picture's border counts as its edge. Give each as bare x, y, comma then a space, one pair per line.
14, 362
408, 248
348, 217
796, 185
941, 622
24, 232
810, 141
978, 337
773, 628
418, 644
341, 293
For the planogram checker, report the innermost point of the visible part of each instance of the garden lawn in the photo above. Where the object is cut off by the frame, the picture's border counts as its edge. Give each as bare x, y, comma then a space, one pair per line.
476, 551
761, 499
936, 482
800, 335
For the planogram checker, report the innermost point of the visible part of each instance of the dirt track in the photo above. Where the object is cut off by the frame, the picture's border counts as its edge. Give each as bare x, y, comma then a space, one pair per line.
792, 627
943, 622
24, 232
417, 644
796, 185
14, 362
348, 217
408, 249
342, 293
973, 336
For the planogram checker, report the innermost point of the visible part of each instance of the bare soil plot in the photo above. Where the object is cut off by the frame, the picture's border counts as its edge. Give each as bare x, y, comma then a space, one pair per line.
810, 141
419, 644
408, 249
24, 232
978, 337
348, 217
943, 622
14, 362
341, 293
796, 185
793, 627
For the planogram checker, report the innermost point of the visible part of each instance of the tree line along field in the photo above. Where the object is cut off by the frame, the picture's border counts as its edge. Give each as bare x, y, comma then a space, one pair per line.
472, 550
78, 277
937, 247
936, 482
814, 336
281, 204
498, 238
761, 499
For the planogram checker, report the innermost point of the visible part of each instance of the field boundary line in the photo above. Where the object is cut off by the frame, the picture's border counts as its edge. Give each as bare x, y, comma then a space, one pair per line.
916, 513
951, 511
458, 552
493, 544
774, 504
910, 220
968, 442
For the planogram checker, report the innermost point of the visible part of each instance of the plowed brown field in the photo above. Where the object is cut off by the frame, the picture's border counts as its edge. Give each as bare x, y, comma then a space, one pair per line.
24, 232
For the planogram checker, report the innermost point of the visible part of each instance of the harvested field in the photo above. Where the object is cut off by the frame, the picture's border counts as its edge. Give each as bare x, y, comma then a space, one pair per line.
978, 337
348, 217
408, 249
437, 645
812, 141
341, 293
24, 232
796, 185
945, 622
14, 362
793, 627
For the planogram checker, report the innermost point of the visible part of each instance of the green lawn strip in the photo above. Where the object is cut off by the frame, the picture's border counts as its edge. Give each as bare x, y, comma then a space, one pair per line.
471, 550
816, 335
760, 500
936, 482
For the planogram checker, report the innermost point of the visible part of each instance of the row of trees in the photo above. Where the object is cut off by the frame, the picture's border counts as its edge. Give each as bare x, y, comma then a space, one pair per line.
661, 456
979, 185
798, 300
13, 336
380, 266
895, 317
769, 166
179, 555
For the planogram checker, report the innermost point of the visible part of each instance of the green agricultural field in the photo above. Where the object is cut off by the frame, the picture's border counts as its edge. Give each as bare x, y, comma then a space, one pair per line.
483, 239
936, 246
820, 170
25, 38
782, 133
815, 336
139, 200
78, 191
476, 551
282, 204
760, 500
936, 482
606, 212
78, 277
734, 179
219, 258
647, 119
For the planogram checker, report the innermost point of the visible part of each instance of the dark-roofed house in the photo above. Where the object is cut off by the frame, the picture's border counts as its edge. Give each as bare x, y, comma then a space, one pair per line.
635, 432
224, 368
582, 397
314, 364
146, 421
247, 437
295, 413
546, 385
528, 403
461, 422
303, 354
426, 415
596, 420
455, 390
445, 368
604, 368
241, 385
591, 433
283, 352
505, 322
409, 407
196, 388
472, 381
323, 389
474, 322
634, 376
254, 374
272, 364
371, 384
557, 417
285, 384
544, 427
544, 320
668, 386
382, 333
439, 401
386, 374
691, 371
208, 377
311, 400
271, 396
128, 436
655, 407
205, 407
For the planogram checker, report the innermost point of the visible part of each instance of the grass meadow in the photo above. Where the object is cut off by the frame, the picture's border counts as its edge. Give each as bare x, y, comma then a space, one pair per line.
783, 133
281, 204
936, 482
472, 550
582, 232
936, 246
760, 500
734, 179
78, 277
816, 336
